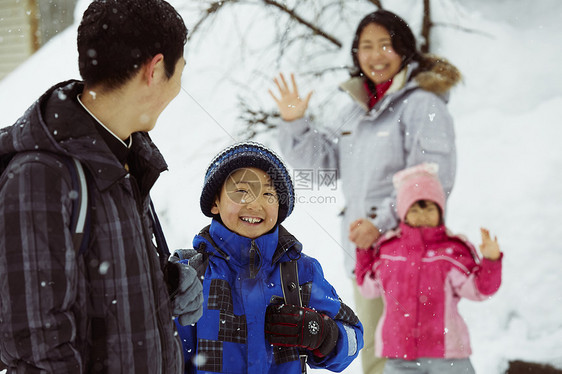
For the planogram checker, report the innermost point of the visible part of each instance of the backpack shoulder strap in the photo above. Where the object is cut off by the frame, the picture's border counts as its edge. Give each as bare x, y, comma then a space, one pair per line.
80, 218
290, 282
81, 212
80, 215
289, 273
161, 244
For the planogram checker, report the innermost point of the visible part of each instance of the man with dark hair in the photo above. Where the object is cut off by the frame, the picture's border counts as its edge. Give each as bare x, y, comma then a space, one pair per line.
109, 307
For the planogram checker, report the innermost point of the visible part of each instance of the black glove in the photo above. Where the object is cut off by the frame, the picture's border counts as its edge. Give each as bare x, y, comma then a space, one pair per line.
293, 326
186, 292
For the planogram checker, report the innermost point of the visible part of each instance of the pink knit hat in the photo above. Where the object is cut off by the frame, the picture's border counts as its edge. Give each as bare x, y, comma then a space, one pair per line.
419, 182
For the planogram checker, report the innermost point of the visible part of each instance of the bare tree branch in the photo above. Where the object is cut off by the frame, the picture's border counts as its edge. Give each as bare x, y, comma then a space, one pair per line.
315, 29
256, 121
319, 73
213, 8
465, 29
376, 3
426, 27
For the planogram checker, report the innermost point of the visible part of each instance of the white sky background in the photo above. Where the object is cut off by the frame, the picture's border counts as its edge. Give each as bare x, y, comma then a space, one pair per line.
507, 119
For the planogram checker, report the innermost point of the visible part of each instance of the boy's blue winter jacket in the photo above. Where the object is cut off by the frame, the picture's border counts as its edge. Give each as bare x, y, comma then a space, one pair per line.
241, 279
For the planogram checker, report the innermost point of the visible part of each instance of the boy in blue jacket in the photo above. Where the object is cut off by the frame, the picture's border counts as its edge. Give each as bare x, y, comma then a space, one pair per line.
250, 323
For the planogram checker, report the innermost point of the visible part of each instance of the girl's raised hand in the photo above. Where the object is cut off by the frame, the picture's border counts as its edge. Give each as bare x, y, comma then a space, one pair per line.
489, 248
291, 105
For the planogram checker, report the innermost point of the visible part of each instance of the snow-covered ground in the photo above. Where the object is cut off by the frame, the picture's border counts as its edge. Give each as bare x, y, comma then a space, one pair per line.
506, 114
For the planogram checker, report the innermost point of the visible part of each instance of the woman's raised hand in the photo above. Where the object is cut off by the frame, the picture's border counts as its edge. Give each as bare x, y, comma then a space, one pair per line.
291, 105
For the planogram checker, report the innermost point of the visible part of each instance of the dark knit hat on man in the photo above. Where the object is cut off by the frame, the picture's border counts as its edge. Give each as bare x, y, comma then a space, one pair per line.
248, 155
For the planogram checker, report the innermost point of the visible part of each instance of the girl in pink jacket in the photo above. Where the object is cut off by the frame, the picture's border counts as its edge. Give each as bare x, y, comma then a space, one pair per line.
421, 271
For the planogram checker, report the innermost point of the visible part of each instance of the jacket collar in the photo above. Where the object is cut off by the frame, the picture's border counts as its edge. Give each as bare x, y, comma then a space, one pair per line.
427, 234
57, 123
355, 87
236, 249
439, 78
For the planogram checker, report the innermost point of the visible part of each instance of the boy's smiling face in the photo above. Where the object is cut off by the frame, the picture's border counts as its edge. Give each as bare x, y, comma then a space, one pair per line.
247, 203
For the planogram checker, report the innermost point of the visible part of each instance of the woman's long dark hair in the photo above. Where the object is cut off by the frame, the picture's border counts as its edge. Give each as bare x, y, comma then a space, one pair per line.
403, 41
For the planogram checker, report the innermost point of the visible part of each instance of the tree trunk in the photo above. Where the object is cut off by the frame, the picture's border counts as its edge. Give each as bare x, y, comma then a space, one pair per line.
426, 26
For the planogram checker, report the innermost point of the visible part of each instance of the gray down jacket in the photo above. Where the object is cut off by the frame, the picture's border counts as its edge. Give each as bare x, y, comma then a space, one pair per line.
408, 126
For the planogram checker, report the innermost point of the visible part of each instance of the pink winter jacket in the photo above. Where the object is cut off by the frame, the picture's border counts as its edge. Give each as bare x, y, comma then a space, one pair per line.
422, 273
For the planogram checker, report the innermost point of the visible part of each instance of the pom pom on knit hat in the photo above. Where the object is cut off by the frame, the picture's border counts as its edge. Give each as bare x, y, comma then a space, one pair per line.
419, 182
247, 155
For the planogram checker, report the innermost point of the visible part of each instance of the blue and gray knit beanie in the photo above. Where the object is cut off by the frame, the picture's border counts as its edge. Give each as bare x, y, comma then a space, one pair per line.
247, 155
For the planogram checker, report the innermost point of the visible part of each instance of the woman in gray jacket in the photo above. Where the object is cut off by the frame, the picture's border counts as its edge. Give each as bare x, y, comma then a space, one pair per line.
397, 118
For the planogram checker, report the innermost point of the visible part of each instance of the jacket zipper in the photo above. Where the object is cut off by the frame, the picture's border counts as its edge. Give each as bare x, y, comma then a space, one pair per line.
254, 255
156, 300
149, 244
